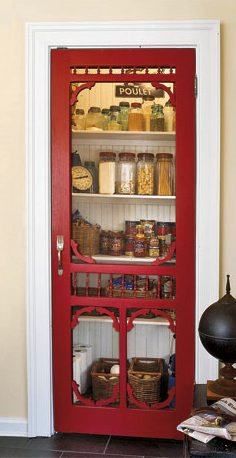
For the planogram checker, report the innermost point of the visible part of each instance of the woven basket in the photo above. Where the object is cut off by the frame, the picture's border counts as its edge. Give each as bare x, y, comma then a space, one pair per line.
102, 381
87, 236
145, 377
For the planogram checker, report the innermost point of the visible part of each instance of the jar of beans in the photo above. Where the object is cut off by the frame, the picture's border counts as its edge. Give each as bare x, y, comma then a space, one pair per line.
145, 174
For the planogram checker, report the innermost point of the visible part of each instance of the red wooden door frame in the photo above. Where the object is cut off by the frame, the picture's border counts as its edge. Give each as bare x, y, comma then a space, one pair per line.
123, 421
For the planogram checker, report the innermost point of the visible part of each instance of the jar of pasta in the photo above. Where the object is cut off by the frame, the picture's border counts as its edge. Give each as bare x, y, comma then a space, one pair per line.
164, 174
145, 174
126, 169
136, 119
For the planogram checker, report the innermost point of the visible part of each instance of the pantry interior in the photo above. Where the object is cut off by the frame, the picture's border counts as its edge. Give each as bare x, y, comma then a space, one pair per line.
130, 222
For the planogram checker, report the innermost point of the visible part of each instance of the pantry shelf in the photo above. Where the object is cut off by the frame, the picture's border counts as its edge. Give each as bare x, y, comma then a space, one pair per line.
158, 321
104, 259
121, 135
132, 198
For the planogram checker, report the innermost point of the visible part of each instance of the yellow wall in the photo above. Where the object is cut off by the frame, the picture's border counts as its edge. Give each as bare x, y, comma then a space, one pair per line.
13, 15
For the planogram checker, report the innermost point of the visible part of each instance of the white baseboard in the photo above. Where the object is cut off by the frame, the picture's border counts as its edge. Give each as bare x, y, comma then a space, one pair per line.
13, 426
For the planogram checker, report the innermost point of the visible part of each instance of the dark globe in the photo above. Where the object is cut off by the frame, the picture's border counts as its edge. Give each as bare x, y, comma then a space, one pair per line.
217, 328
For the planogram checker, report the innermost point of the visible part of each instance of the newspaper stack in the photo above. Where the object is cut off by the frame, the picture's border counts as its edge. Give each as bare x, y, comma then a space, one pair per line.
218, 420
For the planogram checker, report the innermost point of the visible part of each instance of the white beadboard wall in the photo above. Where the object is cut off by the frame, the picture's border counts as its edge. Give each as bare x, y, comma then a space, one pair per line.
103, 95
144, 340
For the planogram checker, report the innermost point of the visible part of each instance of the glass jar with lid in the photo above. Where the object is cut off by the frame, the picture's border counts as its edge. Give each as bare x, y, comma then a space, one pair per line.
114, 123
148, 101
126, 171
157, 118
106, 118
145, 174
164, 174
107, 172
94, 119
168, 117
140, 243
124, 115
136, 119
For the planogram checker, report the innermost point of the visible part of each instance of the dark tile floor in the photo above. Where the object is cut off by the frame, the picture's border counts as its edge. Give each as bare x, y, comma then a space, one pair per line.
88, 446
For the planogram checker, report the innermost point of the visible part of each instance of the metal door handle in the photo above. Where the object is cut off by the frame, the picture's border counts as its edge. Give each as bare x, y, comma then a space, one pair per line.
60, 247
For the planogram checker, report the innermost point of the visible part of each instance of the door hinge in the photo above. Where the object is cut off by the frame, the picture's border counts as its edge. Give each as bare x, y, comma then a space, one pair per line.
195, 86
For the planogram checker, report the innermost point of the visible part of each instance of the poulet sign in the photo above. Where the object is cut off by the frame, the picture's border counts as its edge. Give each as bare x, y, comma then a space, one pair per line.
137, 90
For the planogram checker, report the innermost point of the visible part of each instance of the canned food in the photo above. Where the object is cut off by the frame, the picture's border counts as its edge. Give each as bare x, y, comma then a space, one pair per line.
116, 243
166, 287
130, 227
129, 245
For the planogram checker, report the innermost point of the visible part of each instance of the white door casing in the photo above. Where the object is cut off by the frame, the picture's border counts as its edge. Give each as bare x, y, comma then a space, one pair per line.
202, 35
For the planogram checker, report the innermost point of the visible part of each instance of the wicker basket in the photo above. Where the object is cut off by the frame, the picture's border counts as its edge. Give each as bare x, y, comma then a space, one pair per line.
102, 381
87, 236
145, 378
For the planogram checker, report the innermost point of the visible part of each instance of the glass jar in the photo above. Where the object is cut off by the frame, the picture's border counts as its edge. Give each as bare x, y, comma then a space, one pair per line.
129, 245
135, 119
139, 243
147, 110
164, 174
168, 117
116, 243
130, 227
114, 123
166, 287
164, 235
90, 165
126, 170
123, 115
157, 118
94, 119
153, 248
107, 172
106, 118
105, 242
145, 174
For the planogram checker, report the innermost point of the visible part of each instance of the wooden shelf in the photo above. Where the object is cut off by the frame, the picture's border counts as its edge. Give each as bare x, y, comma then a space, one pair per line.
134, 198
121, 135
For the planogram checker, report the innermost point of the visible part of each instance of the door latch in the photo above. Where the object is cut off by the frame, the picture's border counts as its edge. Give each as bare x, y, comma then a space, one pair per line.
60, 247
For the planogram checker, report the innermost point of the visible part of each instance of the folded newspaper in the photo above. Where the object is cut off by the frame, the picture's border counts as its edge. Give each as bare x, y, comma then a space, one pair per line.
217, 420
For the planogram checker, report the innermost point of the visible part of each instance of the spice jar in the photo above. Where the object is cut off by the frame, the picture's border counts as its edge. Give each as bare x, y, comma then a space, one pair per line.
147, 111
164, 174
123, 115
139, 243
116, 243
126, 170
90, 165
145, 174
94, 119
168, 117
135, 119
153, 249
157, 118
107, 172
78, 120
